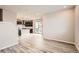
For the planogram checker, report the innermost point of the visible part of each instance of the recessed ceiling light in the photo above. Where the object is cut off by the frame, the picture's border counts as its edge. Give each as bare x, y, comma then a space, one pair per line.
65, 6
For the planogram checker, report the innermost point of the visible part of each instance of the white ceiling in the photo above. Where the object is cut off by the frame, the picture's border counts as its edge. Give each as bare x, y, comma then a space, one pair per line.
33, 10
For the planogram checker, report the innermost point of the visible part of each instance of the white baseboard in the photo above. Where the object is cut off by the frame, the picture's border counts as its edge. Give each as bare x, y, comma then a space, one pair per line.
61, 41
9, 46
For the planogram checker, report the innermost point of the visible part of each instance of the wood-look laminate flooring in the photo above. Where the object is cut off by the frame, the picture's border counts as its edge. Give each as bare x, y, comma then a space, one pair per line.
36, 44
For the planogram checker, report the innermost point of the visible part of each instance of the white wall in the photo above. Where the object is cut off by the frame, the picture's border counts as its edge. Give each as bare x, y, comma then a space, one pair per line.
8, 29
77, 27
59, 26
8, 35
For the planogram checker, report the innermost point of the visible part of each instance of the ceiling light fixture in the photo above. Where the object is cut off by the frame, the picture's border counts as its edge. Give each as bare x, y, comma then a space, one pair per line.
65, 6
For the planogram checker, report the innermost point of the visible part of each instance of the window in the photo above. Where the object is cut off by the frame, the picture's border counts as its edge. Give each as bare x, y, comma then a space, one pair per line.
38, 26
